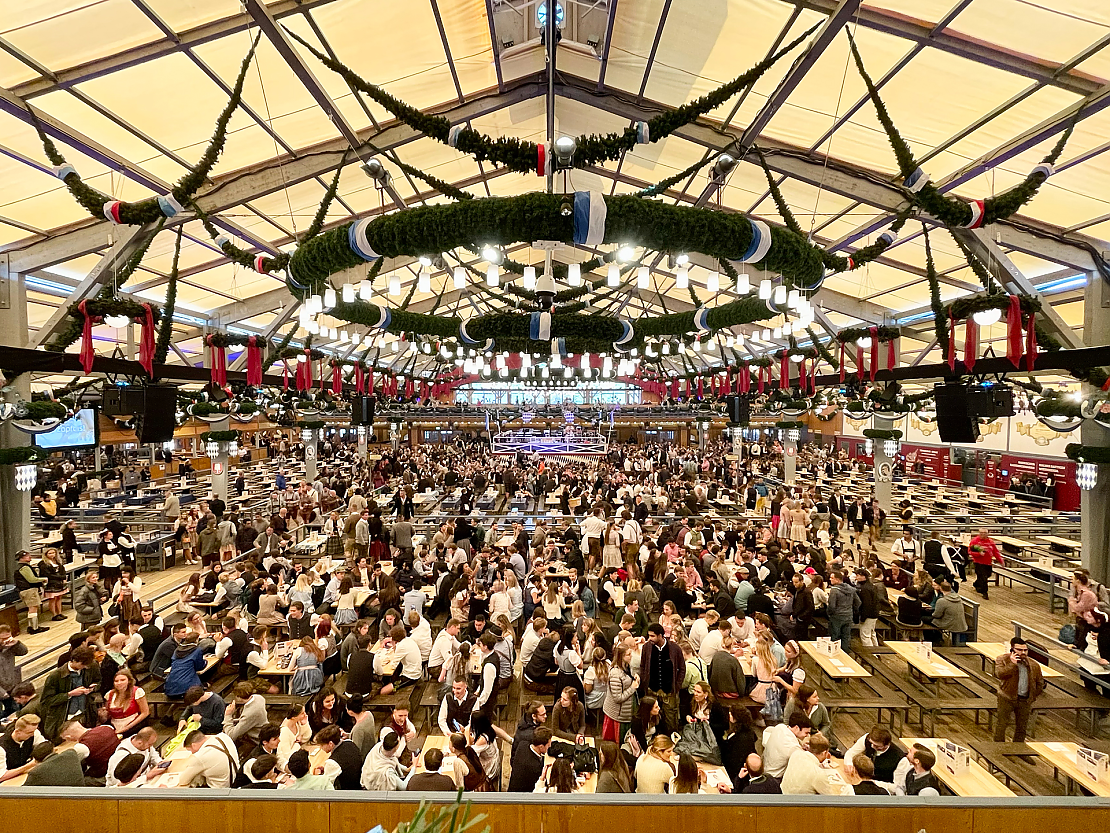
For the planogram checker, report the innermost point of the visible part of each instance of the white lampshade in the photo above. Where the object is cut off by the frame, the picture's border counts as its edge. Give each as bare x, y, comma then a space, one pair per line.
493, 275
986, 317
315, 305
117, 321
459, 281
394, 285
329, 298
574, 274
348, 293
864, 342
682, 278
424, 281
642, 277
613, 276
713, 282
765, 290
778, 332
529, 281
743, 284
780, 295
365, 290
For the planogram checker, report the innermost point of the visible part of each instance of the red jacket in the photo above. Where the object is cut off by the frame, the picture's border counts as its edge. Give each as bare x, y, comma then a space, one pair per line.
986, 553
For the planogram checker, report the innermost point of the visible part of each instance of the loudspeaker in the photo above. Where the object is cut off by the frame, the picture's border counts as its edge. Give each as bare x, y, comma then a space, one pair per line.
362, 410
738, 409
956, 422
991, 401
155, 418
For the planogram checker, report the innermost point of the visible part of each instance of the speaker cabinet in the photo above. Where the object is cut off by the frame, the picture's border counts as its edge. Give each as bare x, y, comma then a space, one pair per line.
955, 420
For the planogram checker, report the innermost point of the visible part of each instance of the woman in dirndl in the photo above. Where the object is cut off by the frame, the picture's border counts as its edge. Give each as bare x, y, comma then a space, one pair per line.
333, 535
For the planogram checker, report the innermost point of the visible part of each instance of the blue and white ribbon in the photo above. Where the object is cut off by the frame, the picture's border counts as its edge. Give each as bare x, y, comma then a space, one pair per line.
356, 239
701, 318
888, 237
1043, 168
539, 326
62, 171
290, 280
760, 244
464, 337
643, 133
589, 218
916, 181
558, 347
386, 318
170, 206
627, 332
976, 207
222, 241
453, 134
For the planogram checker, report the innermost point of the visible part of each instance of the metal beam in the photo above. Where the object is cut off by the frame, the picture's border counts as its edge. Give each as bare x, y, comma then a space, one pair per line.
238, 187
610, 21
131, 239
496, 46
1011, 278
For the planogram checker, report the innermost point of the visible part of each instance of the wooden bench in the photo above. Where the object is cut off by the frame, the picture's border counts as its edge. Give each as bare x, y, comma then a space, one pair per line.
1015, 764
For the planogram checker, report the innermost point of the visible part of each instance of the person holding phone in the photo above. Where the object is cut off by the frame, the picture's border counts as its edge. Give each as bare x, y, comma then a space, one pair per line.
1020, 683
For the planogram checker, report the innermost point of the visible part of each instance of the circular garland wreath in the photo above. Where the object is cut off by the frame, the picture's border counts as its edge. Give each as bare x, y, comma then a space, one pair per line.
1088, 453
220, 436
882, 434
21, 454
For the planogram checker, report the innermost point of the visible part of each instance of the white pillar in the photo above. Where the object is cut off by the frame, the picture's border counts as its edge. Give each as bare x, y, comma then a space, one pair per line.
1095, 503
789, 459
310, 455
884, 465
361, 434
219, 474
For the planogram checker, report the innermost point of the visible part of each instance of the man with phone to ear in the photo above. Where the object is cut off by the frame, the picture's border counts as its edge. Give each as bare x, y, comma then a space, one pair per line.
1020, 683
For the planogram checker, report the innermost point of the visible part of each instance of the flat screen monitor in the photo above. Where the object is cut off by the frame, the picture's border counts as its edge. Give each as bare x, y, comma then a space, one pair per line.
79, 431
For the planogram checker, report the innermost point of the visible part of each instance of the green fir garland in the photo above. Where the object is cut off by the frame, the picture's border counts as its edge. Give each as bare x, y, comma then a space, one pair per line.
165, 326
1099, 455
21, 454
882, 434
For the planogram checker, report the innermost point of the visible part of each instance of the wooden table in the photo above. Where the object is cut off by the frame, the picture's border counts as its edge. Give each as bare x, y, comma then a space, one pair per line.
171, 775
838, 667
993, 650
976, 782
934, 671
1061, 756
1014, 543
1062, 543
273, 669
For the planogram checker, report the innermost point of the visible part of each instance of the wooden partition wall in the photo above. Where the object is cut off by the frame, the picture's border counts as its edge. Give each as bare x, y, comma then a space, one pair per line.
201, 813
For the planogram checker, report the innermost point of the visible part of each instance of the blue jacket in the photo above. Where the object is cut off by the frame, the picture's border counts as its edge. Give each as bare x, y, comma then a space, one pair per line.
843, 602
183, 671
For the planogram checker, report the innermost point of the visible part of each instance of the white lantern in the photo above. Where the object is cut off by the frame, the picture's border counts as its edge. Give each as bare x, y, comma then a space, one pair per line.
459, 280
868, 447
780, 295
743, 284
682, 278
765, 290
574, 274
212, 448
613, 276
890, 448
530, 278
366, 290
306, 435
793, 435
329, 298
792, 299
394, 285
424, 281
642, 277
117, 321
348, 293
986, 317
1087, 476
361, 433
493, 275
864, 342
315, 305
26, 476
713, 282
233, 448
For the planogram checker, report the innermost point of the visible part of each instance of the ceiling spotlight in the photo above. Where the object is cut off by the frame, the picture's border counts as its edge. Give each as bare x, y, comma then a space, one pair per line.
564, 152
376, 171
492, 255
864, 342
530, 278
626, 254
574, 274
566, 207
613, 277
682, 278
723, 166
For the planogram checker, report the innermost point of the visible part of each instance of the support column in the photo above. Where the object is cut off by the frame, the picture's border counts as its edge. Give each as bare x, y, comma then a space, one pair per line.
789, 457
360, 434
15, 506
884, 465
738, 450
312, 438
219, 474
1095, 503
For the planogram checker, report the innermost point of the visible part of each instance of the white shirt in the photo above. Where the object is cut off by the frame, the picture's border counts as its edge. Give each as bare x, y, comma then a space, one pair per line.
711, 643
407, 653
127, 747
592, 527
779, 746
805, 776
422, 636
744, 632
443, 649
631, 531
902, 547
698, 631
38, 738
211, 763
528, 645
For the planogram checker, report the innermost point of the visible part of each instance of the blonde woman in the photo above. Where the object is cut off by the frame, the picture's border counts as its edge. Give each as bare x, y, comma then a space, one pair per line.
611, 555
302, 592
764, 668
554, 606
655, 768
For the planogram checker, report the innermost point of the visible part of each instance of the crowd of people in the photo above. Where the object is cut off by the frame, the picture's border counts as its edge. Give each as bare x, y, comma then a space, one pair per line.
635, 607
